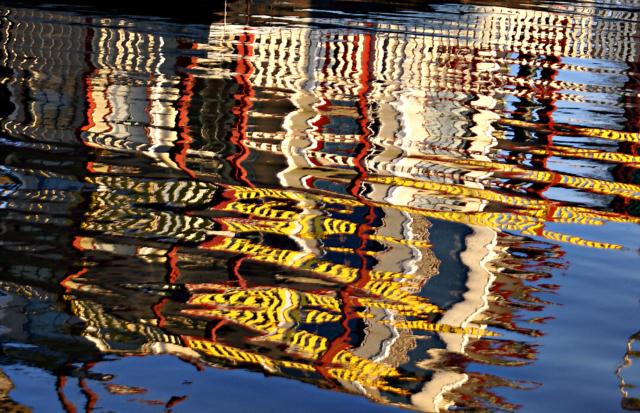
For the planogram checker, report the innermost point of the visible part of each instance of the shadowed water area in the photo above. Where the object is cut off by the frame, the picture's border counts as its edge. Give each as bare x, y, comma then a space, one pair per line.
311, 206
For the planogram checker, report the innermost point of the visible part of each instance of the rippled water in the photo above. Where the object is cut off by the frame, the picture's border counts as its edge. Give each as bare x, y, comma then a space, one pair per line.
305, 206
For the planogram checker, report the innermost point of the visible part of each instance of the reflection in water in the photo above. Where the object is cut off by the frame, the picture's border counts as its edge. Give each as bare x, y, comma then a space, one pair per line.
370, 203
629, 401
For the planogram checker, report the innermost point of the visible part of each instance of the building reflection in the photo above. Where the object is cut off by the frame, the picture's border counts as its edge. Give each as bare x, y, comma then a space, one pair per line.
274, 197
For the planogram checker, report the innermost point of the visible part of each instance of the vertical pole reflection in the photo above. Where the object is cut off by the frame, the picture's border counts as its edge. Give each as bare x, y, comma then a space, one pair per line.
243, 98
187, 83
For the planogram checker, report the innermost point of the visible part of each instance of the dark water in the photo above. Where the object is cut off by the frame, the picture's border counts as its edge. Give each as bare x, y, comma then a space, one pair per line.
305, 206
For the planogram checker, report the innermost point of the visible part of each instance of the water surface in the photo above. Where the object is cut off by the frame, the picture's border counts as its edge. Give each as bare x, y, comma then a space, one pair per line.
314, 206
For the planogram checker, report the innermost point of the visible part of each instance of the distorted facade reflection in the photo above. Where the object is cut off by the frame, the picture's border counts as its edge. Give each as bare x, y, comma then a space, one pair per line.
365, 204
